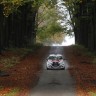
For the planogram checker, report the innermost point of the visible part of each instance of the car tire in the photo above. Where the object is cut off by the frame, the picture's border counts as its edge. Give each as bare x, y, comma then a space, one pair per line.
47, 68
63, 68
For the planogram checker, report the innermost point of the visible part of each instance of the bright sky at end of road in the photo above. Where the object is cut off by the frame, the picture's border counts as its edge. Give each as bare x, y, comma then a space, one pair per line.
68, 41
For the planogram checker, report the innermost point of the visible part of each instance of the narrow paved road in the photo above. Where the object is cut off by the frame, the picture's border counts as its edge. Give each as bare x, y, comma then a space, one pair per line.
55, 82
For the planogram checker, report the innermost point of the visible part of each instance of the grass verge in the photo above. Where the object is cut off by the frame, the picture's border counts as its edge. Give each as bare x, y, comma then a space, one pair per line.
13, 92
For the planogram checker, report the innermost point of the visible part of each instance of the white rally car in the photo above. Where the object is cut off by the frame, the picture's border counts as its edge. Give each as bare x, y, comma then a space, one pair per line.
55, 61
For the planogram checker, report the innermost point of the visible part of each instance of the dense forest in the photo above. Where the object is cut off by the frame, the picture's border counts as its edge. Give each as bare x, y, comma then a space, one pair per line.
17, 24
83, 16
18, 21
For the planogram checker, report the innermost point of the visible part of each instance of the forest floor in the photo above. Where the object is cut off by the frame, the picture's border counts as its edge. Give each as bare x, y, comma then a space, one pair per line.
83, 69
24, 75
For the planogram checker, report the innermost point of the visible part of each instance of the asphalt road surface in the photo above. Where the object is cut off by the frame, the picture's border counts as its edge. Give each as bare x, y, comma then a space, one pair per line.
55, 82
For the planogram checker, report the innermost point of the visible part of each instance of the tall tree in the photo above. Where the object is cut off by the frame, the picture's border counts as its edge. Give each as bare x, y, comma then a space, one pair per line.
48, 24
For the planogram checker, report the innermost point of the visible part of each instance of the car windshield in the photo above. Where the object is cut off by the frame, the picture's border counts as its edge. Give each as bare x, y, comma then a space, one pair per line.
55, 57
52, 57
59, 57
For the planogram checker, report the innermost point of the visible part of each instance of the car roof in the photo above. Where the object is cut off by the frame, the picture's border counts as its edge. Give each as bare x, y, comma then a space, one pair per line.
52, 55
58, 55
55, 55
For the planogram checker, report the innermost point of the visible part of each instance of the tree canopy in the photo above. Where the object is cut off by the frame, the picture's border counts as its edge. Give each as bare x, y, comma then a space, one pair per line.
82, 14
49, 25
21, 26
11, 6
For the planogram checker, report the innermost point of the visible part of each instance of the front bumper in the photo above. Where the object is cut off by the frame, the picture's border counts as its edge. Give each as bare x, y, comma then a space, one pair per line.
55, 67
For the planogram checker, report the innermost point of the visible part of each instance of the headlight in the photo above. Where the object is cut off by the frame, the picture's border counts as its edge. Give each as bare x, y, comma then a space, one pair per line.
62, 63
49, 62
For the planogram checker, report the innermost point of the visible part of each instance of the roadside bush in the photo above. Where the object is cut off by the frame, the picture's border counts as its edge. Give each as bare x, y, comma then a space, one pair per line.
22, 52
36, 46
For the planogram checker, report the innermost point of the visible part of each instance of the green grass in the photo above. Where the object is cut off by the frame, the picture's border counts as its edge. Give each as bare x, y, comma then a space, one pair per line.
21, 53
92, 94
9, 62
1, 87
13, 92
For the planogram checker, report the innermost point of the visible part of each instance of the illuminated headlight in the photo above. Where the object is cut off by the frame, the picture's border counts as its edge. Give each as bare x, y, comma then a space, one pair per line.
62, 63
49, 63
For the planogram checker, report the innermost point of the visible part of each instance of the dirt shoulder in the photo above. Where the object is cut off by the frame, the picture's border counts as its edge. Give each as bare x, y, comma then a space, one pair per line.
83, 71
24, 75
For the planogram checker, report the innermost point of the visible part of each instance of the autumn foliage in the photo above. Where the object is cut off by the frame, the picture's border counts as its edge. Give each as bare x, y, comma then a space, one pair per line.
83, 71
23, 76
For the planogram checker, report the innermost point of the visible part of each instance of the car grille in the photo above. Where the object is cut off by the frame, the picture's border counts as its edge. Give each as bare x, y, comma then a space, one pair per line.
55, 64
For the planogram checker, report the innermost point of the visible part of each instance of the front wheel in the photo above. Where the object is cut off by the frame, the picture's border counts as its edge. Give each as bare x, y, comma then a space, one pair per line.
47, 68
63, 68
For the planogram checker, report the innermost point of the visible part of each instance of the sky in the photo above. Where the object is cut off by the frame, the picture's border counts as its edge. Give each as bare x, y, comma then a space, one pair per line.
67, 40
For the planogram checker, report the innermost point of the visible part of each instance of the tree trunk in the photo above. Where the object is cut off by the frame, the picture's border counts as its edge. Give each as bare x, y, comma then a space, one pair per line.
1, 28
